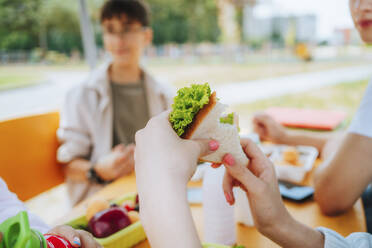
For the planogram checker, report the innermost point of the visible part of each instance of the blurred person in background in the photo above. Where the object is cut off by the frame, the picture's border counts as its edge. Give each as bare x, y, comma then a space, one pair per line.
101, 116
347, 171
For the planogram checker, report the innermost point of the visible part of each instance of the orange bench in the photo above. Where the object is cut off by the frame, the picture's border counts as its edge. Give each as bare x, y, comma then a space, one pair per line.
28, 148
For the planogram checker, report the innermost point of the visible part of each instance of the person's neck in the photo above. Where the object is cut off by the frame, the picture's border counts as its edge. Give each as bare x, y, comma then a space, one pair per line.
125, 74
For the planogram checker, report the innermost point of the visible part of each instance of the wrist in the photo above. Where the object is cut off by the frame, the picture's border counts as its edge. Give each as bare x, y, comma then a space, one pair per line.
284, 137
290, 233
94, 176
279, 227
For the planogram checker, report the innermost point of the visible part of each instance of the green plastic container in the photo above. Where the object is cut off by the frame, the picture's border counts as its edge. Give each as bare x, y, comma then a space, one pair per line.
18, 234
128, 237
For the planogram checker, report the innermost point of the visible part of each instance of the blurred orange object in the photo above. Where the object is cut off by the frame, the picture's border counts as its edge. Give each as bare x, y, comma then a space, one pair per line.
28, 149
307, 118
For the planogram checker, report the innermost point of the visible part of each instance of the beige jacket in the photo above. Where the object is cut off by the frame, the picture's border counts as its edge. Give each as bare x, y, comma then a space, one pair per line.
86, 125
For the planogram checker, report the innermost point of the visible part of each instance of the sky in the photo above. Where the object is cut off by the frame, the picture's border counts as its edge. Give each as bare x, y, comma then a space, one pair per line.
331, 14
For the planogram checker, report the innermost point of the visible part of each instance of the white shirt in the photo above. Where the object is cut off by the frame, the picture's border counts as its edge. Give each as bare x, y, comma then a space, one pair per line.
362, 122
10, 206
86, 125
354, 240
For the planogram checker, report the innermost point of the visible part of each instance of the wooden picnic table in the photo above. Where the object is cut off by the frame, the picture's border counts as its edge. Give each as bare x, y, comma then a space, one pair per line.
307, 212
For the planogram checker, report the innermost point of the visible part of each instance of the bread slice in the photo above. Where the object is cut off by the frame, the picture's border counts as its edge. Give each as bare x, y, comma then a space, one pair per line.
206, 125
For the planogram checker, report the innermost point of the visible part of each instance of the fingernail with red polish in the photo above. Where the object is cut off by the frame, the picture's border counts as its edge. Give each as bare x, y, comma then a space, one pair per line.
213, 145
229, 159
228, 198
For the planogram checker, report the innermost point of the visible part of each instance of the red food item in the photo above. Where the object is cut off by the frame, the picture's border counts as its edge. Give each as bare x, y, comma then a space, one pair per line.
108, 222
55, 241
137, 199
128, 208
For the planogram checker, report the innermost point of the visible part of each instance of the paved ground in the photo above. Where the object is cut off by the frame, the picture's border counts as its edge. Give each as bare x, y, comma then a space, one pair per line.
251, 91
49, 95
39, 98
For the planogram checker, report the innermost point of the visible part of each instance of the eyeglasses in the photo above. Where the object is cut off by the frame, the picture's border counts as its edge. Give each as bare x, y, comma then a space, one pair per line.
127, 32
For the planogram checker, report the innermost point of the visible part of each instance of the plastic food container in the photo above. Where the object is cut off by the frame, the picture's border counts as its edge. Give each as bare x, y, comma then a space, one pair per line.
128, 237
286, 171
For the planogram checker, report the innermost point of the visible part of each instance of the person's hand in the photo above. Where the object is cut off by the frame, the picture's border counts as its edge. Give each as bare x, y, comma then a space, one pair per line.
77, 238
260, 183
164, 164
116, 164
161, 152
268, 129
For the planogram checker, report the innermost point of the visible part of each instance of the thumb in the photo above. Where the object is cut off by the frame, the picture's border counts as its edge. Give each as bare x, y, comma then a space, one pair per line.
206, 147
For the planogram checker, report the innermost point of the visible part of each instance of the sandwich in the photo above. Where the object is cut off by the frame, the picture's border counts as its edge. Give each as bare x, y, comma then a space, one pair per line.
198, 114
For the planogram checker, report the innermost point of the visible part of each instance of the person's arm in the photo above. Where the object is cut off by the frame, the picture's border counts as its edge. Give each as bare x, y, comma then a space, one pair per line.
270, 216
270, 130
74, 134
164, 164
165, 213
296, 138
77, 169
340, 181
119, 162
10, 206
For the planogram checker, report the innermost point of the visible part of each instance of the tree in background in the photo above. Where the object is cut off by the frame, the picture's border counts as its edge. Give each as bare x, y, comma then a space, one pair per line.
60, 22
181, 21
54, 24
227, 19
19, 24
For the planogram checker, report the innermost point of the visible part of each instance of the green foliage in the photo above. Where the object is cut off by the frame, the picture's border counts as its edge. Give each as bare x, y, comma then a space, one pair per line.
187, 103
18, 24
25, 24
181, 21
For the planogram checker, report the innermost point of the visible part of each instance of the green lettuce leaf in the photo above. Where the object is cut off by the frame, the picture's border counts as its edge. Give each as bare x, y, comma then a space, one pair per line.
228, 119
187, 103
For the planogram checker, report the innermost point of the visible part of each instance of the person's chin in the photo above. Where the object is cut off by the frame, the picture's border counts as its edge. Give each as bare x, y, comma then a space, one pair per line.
367, 36
123, 60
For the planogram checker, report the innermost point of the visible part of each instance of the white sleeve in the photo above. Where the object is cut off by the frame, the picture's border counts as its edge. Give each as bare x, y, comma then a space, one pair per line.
362, 122
75, 128
354, 240
10, 206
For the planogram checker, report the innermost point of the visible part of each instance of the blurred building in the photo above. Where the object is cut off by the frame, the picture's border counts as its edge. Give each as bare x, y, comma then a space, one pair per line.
287, 29
227, 22
345, 36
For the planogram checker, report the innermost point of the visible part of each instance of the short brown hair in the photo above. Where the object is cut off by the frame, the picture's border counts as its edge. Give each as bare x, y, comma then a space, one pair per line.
135, 10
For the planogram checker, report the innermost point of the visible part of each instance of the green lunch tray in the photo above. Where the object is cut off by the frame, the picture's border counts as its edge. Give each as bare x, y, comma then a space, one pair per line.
129, 236
126, 238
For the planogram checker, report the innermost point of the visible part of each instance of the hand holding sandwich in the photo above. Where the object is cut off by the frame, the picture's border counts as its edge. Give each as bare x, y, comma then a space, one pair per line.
164, 165
166, 155
171, 157
270, 216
